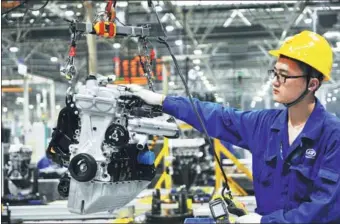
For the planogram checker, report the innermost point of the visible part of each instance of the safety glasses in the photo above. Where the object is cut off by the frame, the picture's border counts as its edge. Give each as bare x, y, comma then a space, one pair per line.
280, 77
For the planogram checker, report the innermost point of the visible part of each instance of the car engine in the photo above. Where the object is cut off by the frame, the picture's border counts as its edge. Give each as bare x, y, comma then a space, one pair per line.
101, 136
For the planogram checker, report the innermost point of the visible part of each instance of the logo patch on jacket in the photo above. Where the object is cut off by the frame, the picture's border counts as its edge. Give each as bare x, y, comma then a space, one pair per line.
310, 154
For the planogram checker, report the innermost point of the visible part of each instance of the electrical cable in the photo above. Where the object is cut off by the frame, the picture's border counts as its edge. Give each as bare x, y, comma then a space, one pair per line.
164, 41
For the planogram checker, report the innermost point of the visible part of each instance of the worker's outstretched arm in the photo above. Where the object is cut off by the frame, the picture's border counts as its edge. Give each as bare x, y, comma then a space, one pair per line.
225, 123
324, 203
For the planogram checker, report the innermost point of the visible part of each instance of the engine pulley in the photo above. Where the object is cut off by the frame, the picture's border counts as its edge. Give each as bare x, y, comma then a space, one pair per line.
116, 135
83, 167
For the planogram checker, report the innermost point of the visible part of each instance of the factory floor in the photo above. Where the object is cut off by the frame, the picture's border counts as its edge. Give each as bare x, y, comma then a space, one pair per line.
56, 211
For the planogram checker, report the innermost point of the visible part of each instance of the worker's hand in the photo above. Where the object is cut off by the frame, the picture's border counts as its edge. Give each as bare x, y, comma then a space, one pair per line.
148, 96
250, 218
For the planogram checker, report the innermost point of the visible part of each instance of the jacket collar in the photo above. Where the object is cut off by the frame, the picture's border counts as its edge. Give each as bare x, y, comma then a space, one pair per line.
313, 127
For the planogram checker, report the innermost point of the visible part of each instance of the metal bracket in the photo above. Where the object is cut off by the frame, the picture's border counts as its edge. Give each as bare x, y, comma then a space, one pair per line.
131, 31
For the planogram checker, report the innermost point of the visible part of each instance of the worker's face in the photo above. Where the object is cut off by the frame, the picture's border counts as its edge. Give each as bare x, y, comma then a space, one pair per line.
286, 90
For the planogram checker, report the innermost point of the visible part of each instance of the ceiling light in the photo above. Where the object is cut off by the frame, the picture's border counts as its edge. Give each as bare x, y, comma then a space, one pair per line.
35, 13
69, 13
17, 14
31, 20
122, 4
329, 94
4, 109
198, 51
54, 59
44, 14
63, 6
31, 106
79, 6
13, 49
158, 8
308, 20
197, 68
333, 98
78, 14
169, 28
57, 107
329, 99
171, 83
196, 61
178, 42
336, 91
116, 45
332, 34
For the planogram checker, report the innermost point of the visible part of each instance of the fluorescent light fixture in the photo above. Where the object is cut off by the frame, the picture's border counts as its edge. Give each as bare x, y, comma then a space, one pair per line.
169, 28
54, 59
122, 4
178, 42
332, 34
79, 6
329, 94
329, 100
31, 20
31, 106
198, 52
333, 98
158, 8
17, 14
116, 45
35, 13
336, 91
63, 6
57, 107
69, 13
78, 14
277, 9
308, 20
196, 61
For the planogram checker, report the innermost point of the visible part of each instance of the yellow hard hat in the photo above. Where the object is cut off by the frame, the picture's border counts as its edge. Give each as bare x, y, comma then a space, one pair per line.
310, 48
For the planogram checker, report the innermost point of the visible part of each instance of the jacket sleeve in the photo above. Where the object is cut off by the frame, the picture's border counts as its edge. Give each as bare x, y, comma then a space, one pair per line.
325, 199
224, 123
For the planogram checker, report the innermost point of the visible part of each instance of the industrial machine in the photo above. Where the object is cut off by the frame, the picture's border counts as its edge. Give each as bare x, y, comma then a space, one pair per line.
101, 137
20, 177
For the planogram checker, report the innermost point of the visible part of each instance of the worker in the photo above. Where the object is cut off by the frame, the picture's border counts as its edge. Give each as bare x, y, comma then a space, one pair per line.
296, 150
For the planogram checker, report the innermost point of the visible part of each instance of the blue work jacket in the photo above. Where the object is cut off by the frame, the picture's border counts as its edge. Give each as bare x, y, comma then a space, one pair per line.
293, 184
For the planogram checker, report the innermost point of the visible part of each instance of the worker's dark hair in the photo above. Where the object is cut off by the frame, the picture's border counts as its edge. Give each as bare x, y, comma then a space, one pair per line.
308, 70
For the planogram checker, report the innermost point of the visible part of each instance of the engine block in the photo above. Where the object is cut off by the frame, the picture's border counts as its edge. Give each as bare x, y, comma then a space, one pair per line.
102, 137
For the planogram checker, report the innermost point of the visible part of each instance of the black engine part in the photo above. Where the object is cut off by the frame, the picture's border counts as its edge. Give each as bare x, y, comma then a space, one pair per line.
64, 135
83, 167
124, 166
116, 135
64, 186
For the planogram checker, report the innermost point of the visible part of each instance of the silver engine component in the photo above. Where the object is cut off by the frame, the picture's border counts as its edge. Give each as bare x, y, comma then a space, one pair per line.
110, 164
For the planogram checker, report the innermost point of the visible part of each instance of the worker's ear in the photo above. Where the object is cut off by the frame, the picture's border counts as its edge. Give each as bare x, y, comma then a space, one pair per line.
313, 85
